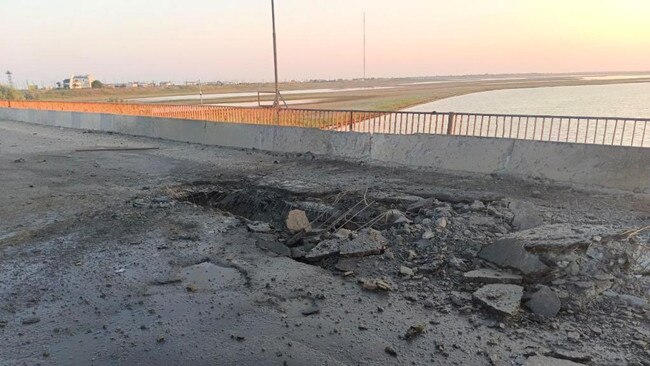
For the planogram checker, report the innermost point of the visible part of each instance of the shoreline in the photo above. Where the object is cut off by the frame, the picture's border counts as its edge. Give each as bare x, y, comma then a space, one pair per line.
623, 101
381, 95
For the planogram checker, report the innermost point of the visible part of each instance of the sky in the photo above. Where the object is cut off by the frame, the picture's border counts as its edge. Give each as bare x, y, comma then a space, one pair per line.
120, 40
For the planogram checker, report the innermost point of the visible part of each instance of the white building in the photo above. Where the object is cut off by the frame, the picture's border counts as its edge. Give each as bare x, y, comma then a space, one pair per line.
79, 82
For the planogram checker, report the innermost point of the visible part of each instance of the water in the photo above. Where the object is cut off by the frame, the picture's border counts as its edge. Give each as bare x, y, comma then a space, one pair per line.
468, 80
619, 100
615, 100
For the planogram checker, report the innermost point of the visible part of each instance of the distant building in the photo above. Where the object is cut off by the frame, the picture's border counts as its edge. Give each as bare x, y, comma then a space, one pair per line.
79, 82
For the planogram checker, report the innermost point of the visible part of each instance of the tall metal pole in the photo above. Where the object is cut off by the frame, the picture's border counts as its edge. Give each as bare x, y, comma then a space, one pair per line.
276, 101
364, 45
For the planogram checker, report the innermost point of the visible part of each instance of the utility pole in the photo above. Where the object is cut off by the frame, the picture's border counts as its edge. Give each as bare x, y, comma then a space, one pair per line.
364, 45
276, 101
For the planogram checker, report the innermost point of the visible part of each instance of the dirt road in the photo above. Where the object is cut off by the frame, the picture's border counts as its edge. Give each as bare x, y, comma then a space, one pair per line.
180, 255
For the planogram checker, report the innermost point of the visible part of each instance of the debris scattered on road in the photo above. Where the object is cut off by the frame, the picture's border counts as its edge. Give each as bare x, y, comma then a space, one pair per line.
549, 361
414, 331
297, 221
395, 217
441, 223
343, 233
558, 274
367, 242
406, 271
375, 284
260, 227
390, 351
167, 281
31, 320
503, 299
486, 275
526, 215
510, 253
325, 248
544, 302
558, 237
570, 355
428, 234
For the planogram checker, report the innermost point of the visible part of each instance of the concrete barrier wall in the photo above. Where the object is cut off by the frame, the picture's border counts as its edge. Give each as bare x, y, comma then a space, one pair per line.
606, 166
469, 154
625, 168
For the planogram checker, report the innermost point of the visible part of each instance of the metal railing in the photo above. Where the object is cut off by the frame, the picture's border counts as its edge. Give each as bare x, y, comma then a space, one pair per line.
616, 131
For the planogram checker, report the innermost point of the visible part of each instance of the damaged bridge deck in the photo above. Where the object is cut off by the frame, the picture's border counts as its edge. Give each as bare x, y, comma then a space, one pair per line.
188, 254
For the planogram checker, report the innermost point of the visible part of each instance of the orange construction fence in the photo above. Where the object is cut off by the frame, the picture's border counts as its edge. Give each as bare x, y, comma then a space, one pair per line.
254, 115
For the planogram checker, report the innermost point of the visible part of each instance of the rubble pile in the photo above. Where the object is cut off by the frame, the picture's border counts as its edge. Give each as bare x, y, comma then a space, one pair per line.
507, 260
504, 256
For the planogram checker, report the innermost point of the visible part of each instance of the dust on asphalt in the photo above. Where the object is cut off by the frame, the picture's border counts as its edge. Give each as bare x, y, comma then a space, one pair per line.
200, 255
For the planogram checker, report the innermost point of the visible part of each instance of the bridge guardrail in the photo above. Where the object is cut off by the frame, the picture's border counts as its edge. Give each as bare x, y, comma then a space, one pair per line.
617, 131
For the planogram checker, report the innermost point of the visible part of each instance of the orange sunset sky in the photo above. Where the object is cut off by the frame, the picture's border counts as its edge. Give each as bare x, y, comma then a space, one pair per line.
119, 40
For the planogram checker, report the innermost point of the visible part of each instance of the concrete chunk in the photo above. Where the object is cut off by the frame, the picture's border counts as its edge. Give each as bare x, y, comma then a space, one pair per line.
423, 203
396, 217
477, 206
549, 361
325, 248
346, 264
570, 355
368, 242
485, 275
275, 247
526, 215
259, 227
633, 301
511, 253
544, 302
342, 233
503, 299
559, 237
406, 271
441, 223
297, 221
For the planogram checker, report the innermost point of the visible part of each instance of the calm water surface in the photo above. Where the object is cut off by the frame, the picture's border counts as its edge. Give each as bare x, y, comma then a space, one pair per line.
616, 100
